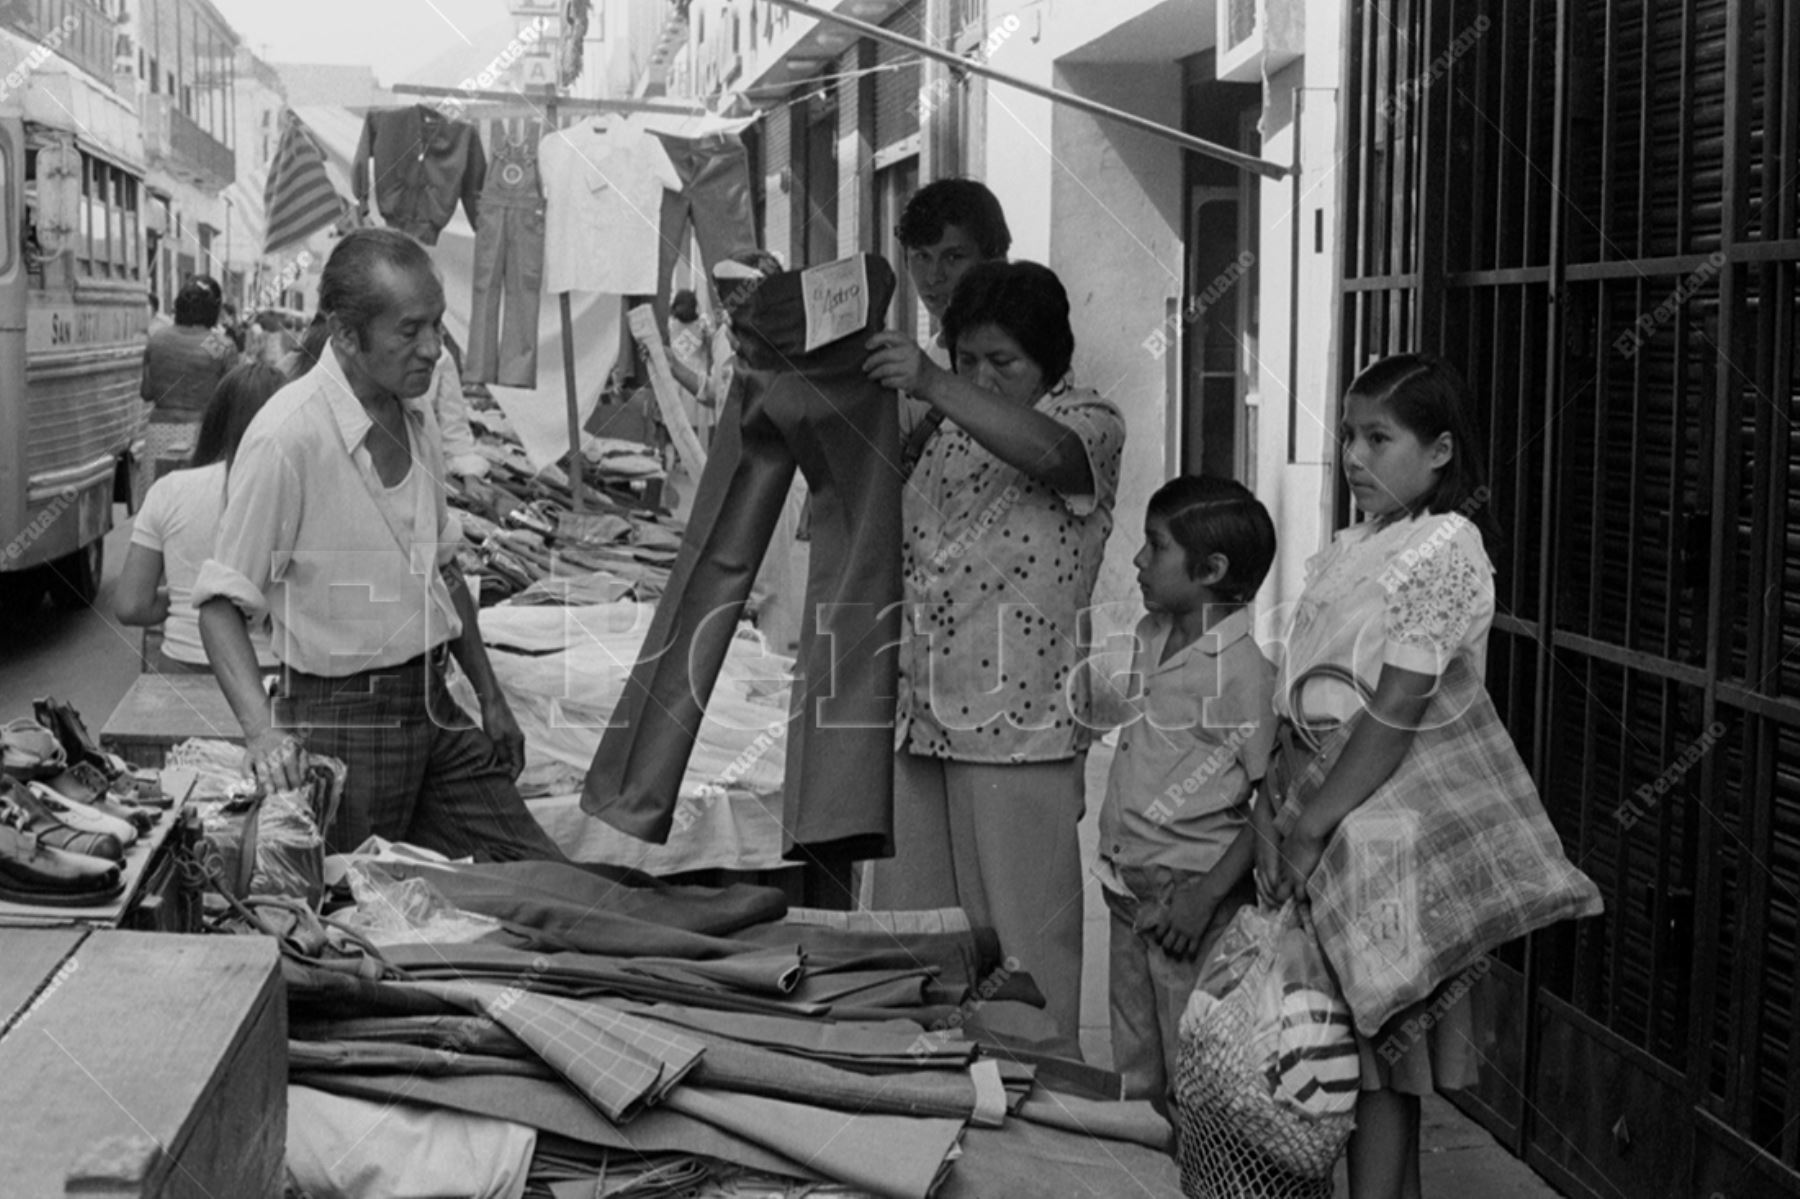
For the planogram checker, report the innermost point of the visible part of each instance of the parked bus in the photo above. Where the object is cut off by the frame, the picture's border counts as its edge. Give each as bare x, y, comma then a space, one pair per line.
73, 314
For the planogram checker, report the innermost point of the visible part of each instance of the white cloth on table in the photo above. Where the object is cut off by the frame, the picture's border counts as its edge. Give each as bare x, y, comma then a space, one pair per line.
353, 1148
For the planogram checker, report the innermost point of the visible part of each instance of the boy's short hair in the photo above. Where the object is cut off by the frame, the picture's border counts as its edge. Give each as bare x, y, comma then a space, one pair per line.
961, 202
1209, 515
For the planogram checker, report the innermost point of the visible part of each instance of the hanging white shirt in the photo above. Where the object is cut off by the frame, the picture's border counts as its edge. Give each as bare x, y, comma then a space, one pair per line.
603, 188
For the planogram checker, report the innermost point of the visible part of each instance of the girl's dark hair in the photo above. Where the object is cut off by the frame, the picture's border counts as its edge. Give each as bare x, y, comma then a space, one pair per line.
1025, 301
1209, 515
1428, 397
239, 396
962, 202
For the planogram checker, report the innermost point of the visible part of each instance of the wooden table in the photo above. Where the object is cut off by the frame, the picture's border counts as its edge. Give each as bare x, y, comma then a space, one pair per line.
163, 710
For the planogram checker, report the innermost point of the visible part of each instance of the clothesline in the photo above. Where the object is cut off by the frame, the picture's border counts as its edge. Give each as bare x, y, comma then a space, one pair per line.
809, 84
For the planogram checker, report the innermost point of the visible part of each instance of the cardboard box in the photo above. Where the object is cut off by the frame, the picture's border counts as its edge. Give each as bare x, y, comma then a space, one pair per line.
142, 1065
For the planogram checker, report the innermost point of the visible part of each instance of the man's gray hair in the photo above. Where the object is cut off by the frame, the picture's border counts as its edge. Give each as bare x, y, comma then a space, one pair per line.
350, 290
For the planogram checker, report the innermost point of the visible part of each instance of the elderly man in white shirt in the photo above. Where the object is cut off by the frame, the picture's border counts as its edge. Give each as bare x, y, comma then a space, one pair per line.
336, 526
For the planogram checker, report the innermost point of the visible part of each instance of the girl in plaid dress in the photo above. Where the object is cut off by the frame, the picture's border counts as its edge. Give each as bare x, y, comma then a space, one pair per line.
1385, 609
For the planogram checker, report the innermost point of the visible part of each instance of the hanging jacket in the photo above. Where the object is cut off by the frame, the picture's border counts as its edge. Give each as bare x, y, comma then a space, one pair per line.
424, 163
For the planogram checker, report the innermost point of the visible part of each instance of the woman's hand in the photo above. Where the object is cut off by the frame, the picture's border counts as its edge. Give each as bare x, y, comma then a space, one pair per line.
895, 361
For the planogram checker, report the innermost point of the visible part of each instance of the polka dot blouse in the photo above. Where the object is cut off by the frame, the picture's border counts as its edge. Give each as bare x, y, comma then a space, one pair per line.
999, 570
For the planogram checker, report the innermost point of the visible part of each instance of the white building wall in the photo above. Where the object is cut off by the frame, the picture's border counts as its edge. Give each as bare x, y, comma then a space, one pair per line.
1300, 116
1116, 241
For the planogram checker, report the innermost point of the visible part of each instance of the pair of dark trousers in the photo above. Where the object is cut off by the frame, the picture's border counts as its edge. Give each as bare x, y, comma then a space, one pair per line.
418, 769
715, 195
509, 282
819, 412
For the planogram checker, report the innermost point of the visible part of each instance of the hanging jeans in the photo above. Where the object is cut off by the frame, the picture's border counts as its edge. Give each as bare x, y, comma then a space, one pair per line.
715, 196
509, 271
819, 412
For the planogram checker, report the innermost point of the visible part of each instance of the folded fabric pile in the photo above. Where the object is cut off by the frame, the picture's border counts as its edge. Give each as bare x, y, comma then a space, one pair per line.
618, 1030
523, 535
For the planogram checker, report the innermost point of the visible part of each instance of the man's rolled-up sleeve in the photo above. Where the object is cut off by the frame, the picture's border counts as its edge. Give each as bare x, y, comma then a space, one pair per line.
257, 533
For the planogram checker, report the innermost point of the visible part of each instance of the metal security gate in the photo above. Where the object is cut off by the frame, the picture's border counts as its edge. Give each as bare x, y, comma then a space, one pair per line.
1594, 210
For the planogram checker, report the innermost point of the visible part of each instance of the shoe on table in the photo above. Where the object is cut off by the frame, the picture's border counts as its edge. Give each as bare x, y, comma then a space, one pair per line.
34, 873
55, 834
81, 816
65, 722
28, 750
84, 784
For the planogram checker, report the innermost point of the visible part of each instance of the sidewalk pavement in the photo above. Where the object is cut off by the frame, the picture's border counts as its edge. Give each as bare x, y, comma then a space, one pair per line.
1458, 1157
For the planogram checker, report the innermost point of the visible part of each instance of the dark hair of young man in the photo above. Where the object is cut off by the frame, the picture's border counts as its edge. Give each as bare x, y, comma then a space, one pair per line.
961, 202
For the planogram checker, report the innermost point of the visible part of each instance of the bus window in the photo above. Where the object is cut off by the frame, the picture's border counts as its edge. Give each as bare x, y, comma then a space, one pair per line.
6, 212
84, 242
110, 241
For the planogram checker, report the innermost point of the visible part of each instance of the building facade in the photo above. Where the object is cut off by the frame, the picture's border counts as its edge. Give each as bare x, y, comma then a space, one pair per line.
1185, 273
185, 59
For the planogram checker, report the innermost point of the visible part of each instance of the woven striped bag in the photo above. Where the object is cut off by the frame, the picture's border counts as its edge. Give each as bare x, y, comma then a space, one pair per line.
1267, 1075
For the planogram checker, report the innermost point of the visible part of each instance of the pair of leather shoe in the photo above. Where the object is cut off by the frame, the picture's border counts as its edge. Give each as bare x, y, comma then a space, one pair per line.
84, 785
28, 750
32, 872
71, 732
62, 823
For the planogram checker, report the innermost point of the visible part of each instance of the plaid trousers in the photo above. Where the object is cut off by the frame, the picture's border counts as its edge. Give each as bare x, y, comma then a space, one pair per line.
420, 770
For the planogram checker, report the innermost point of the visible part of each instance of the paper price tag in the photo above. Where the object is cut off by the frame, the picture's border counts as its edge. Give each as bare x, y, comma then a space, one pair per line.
837, 300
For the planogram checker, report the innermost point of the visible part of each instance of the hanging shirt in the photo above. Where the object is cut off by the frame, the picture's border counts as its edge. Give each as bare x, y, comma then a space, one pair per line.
604, 185
424, 163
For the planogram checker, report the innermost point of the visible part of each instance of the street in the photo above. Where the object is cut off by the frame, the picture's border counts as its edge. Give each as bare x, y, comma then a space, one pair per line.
85, 657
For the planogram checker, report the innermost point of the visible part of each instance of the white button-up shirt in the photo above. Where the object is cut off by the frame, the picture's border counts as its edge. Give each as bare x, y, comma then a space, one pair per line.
311, 536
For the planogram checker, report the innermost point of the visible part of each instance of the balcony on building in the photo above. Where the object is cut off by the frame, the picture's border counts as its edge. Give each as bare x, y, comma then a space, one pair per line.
81, 31
176, 142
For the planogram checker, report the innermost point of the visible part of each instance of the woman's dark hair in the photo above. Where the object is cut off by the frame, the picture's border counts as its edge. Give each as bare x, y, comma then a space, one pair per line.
685, 306
312, 344
238, 397
1208, 515
961, 202
350, 289
1428, 397
196, 306
1025, 301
